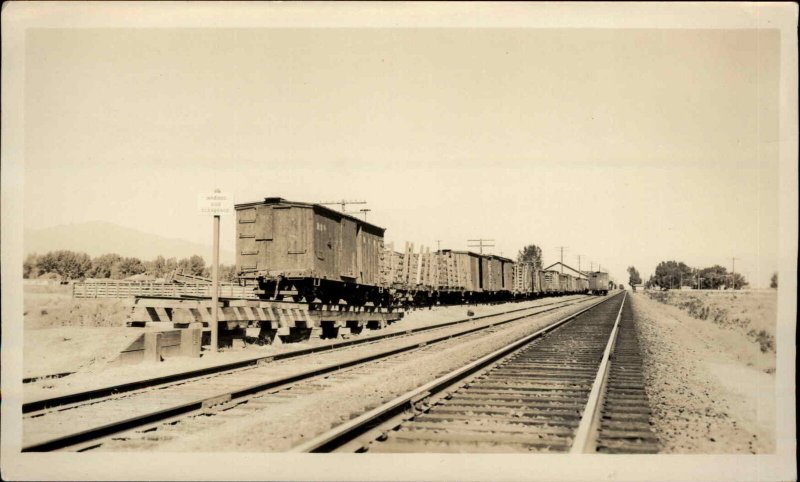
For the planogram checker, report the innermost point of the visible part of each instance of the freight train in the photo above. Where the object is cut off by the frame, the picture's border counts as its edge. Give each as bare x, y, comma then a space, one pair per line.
311, 253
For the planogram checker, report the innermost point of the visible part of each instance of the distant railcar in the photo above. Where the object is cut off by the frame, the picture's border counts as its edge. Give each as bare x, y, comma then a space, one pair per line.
526, 279
550, 281
308, 251
499, 274
508, 275
598, 283
565, 281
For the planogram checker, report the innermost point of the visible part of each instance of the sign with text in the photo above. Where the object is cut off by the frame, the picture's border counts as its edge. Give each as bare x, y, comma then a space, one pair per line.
215, 203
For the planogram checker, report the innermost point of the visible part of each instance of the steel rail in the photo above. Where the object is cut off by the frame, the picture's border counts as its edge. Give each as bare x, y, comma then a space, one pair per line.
586, 435
82, 396
348, 431
112, 428
43, 377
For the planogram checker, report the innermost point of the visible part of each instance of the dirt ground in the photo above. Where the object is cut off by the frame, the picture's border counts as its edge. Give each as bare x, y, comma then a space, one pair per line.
711, 388
63, 334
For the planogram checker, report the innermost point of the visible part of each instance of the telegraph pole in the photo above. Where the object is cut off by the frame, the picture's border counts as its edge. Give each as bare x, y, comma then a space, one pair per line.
342, 202
733, 272
480, 244
579, 263
365, 211
562, 257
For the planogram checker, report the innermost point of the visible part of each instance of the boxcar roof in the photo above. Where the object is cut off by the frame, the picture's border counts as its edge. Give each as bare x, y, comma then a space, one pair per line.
500, 258
490, 256
318, 207
455, 251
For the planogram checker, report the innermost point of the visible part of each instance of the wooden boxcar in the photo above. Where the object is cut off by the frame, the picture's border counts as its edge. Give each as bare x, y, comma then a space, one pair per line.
308, 251
462, 271
550, 281
598, 283
508, 274
498, 274
563, 282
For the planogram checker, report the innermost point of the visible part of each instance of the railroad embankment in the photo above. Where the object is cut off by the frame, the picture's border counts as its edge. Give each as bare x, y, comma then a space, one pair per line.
711, 388
752, 313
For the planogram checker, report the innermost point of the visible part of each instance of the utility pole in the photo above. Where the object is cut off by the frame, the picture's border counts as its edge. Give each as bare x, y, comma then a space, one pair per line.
579, 263
365, 211
480, 244
342, 202
562, 257
733, 272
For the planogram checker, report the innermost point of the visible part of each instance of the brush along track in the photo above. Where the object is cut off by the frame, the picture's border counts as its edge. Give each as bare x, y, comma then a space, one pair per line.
540, 394
55, 429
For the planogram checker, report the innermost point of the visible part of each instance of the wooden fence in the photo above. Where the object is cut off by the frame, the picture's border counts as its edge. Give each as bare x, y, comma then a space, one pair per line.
127, 289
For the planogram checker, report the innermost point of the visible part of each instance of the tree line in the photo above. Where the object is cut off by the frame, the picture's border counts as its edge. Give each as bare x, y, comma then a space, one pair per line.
531, 254
674, 274
71, 265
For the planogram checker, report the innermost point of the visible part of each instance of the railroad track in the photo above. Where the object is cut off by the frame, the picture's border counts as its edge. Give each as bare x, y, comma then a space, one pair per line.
54, 428
113, 390
576, 388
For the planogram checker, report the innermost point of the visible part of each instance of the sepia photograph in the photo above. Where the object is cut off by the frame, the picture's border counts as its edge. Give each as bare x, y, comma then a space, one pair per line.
456, 241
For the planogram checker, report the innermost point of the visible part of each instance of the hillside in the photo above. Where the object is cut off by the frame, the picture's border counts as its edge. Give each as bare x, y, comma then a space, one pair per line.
99, 237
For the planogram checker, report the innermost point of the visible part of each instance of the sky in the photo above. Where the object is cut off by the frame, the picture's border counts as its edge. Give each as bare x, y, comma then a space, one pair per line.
628, 147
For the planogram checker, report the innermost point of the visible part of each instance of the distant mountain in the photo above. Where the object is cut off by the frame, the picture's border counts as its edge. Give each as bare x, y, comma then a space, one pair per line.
98, 237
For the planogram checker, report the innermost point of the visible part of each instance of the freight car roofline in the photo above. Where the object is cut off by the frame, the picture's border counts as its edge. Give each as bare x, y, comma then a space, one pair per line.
320, 207
487, 256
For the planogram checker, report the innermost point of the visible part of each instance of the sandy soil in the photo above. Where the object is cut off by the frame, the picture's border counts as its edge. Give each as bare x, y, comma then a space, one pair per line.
752, 313
709, 387
87, 348
56, 350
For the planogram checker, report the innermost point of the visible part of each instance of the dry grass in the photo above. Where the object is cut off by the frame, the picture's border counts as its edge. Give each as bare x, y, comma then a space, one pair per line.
752, 313
66, 334
53, 306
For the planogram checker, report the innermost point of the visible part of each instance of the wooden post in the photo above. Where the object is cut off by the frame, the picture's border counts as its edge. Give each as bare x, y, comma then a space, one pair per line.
190, 342
215, 289
152, 347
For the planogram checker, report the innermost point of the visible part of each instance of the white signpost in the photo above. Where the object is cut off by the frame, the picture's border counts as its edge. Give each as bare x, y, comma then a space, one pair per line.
215, 204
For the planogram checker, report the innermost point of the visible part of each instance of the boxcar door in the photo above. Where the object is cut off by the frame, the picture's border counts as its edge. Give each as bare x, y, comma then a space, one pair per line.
349, 248
326, 246
291, 247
